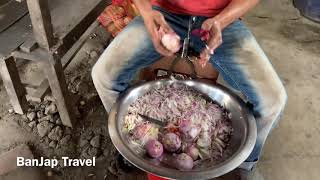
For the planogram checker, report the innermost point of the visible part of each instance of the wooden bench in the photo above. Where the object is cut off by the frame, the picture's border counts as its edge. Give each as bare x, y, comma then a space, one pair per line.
51, 33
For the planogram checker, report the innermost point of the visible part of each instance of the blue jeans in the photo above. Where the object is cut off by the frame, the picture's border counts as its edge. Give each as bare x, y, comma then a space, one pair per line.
240, 61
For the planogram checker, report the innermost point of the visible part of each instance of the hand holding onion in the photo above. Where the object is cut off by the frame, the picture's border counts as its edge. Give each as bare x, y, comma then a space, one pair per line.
157, 26
213, 40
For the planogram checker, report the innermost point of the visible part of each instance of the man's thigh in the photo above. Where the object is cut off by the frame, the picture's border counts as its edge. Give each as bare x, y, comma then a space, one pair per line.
245, 67
132, 49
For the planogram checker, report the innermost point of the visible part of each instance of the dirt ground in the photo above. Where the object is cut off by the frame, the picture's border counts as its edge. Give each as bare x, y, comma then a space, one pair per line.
293, 45
291, 42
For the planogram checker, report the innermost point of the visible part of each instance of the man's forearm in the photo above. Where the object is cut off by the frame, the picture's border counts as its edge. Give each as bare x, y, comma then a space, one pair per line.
144, 7
235, 10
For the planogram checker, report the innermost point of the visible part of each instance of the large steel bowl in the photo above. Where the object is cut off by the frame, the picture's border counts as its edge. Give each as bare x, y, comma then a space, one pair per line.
241, 143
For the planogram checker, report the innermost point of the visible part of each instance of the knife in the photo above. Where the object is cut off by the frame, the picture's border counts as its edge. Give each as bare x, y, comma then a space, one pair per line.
152, 120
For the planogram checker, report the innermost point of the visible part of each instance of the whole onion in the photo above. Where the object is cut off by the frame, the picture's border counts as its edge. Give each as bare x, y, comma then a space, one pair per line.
171, 142
154, 148
183, 162
193, 152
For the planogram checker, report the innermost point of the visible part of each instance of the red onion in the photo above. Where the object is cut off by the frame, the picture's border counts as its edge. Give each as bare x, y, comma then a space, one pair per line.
193, 152
154, 148
171, 142
183, 162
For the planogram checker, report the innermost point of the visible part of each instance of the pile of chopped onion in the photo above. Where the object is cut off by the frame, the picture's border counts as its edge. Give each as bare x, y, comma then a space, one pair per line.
203, 126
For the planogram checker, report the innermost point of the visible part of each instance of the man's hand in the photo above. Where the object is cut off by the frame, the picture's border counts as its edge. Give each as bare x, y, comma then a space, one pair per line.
213, 41
154, 21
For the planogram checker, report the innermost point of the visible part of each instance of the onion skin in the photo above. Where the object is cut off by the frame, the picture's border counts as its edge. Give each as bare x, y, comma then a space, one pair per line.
194, 132
141, 130
154, 148
183, 162
189, 130
171, 142
185, 126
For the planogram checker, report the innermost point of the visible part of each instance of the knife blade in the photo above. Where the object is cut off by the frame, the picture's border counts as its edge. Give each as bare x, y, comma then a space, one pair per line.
153, 120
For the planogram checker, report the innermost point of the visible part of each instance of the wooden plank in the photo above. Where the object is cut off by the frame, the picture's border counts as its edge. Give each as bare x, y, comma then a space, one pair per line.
66, 15
54, 72
29, 45
13, 37
66, 59
79, 28
35, 55
70, 35
37, 95
41, 22
13, 85
11, 12
40, 55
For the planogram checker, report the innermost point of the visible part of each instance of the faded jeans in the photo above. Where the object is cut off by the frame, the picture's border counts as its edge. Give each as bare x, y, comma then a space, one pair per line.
240, 61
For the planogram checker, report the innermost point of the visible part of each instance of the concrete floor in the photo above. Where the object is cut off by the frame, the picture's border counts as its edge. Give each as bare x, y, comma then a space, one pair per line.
293, 45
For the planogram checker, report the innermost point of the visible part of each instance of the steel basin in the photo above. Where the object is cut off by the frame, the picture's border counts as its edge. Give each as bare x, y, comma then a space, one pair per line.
241, 143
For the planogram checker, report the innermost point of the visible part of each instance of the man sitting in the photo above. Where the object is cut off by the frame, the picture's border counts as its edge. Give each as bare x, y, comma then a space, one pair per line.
230, 48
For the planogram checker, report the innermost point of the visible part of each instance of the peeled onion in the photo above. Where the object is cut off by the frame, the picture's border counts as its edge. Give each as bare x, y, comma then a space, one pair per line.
183, 162
171, 41
171, 142
154, 148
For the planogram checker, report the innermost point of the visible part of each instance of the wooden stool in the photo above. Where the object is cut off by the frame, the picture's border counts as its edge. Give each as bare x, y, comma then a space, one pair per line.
54, 39
208, 73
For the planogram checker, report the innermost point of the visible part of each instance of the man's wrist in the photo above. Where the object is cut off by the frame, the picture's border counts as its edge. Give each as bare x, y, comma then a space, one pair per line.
144, 8
217, 21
